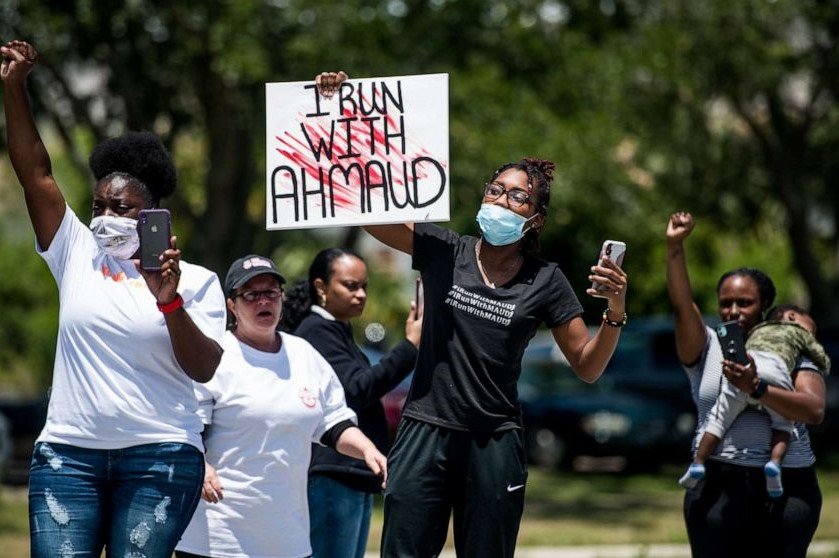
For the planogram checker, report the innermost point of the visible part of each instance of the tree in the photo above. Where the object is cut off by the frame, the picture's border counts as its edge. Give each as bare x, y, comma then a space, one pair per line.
739, 101
727, 109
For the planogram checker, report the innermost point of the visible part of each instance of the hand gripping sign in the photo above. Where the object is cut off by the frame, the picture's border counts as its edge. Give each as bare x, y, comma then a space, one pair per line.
376, 152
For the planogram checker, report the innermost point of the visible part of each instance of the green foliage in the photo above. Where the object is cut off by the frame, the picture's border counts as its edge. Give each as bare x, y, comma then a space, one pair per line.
29, 322
726, 109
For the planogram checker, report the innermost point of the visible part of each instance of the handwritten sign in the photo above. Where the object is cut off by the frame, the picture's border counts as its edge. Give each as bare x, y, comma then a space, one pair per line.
376, 152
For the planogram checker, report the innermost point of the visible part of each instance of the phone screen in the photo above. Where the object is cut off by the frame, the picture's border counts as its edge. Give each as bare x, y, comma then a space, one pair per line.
154, 229
732, 342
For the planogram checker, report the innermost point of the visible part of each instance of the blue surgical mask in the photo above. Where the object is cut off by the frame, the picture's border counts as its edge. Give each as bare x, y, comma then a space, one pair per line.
501, 226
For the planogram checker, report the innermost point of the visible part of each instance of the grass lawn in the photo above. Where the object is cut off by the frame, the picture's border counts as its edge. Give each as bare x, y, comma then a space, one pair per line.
586, 509
561, 509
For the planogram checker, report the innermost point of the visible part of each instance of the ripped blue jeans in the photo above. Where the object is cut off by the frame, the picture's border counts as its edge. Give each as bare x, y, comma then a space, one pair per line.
135, 501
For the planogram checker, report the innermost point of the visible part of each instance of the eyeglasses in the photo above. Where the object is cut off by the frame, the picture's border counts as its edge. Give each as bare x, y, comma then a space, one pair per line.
253, 296
515, 196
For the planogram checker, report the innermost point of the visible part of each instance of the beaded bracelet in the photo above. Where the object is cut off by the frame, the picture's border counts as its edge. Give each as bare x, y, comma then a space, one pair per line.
613, 323
170, 307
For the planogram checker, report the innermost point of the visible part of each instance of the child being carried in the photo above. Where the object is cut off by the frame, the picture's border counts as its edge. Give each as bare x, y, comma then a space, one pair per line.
775, 345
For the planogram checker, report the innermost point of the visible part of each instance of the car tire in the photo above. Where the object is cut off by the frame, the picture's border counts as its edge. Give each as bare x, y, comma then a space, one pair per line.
545, 448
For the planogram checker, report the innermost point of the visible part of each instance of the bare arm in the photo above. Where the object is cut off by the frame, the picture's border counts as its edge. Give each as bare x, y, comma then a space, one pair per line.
805, 404
589, 356
354, 443
196, 353
27, 153
399, 237
690, 329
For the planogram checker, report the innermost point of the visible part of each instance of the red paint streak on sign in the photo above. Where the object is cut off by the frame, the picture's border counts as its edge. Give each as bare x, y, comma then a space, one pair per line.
365, 145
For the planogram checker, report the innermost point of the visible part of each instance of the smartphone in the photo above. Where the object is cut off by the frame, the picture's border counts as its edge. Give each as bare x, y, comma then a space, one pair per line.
611, 250
732, 342
154, 229
419, 297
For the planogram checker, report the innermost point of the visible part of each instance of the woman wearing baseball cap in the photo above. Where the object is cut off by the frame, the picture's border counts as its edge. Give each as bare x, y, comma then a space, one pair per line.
271, 397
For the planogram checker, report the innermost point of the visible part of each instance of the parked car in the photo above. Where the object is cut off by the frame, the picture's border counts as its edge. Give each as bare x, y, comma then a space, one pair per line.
5, 443
639, 411
25, 420
825, 436
393, 401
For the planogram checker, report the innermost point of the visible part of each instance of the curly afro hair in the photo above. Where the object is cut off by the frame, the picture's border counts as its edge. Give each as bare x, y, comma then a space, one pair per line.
140, 155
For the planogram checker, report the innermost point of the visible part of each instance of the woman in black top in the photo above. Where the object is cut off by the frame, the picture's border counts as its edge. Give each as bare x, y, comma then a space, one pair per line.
319, 310
460, 447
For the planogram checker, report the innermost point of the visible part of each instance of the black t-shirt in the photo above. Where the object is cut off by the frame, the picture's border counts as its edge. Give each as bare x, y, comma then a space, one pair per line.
473, 336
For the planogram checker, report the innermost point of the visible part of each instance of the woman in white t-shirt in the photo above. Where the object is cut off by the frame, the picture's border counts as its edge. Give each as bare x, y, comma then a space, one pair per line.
271, 397
119, 462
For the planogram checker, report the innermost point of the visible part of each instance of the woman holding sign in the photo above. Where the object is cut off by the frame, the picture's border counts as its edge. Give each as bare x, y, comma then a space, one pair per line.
459, 447
119, 462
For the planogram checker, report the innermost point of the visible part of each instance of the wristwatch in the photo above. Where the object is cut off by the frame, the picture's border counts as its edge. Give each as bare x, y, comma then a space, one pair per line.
760, 390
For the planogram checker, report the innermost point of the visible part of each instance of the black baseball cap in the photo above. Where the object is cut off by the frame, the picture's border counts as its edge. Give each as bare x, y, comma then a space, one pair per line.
246, 268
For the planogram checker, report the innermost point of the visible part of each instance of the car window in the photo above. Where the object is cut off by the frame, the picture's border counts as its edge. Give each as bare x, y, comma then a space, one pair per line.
630, 355
546, 378
664, 355
647, 353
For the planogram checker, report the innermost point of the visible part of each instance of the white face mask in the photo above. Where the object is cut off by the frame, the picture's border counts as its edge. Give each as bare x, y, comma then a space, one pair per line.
116, 236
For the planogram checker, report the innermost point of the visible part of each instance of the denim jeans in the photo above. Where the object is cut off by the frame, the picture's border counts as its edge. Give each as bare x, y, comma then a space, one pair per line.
340, 518
134, 501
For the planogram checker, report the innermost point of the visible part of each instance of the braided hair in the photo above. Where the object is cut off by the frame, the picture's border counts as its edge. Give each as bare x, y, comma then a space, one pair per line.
539, 178
140, 158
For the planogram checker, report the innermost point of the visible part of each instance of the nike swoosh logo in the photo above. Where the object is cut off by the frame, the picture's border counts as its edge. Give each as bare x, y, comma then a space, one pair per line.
514, 488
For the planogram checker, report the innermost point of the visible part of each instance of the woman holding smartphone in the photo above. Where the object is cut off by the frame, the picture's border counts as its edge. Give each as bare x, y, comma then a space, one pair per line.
319, 309
729, 512
459, 448
119, 462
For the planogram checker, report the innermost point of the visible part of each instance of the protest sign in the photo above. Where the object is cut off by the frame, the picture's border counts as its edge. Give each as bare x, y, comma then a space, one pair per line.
376, 152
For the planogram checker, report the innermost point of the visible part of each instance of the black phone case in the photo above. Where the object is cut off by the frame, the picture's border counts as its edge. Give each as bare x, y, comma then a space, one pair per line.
732, 342
154, 229
419, 298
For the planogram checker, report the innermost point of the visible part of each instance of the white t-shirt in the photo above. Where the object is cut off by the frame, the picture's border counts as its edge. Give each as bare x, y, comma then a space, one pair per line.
116, 382
264, 410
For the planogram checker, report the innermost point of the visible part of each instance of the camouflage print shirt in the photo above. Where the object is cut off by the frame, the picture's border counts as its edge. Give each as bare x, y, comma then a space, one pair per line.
789, 341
